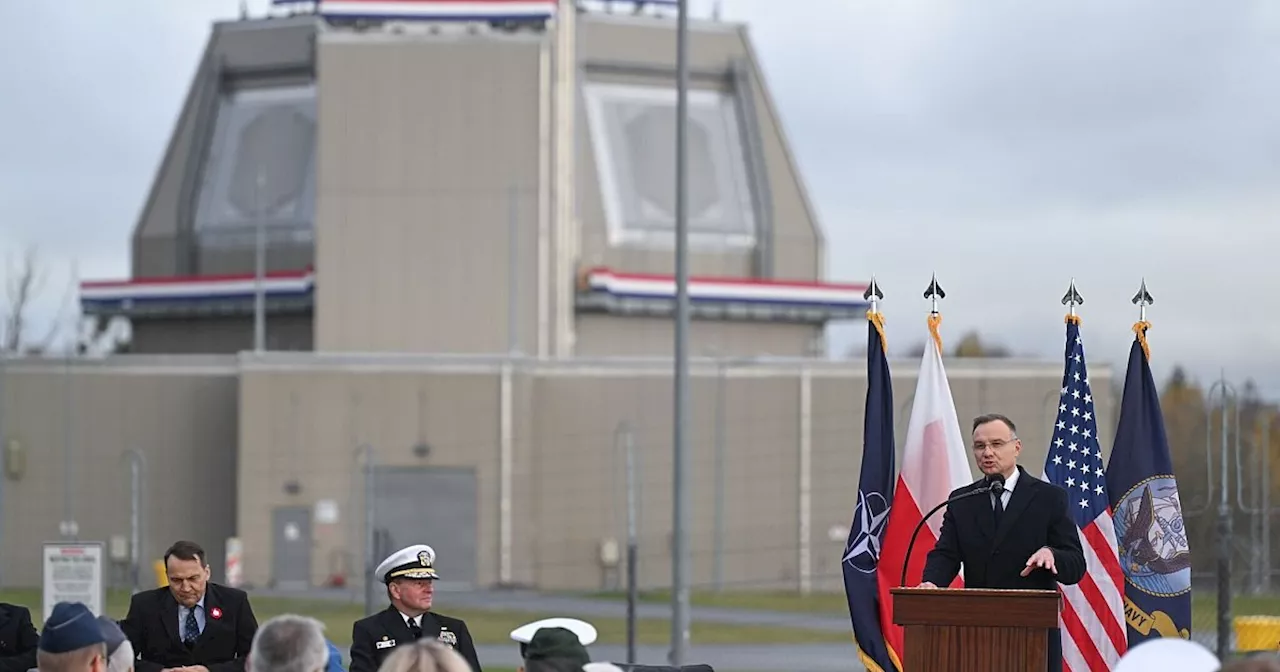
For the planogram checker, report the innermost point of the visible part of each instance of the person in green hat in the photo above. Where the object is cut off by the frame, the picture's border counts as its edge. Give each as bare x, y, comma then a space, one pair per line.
555, 650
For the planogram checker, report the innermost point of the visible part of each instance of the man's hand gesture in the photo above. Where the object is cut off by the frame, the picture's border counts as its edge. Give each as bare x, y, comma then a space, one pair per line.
1042, 559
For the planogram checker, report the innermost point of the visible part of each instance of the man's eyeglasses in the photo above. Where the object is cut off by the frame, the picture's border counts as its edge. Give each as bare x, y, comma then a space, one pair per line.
994, 445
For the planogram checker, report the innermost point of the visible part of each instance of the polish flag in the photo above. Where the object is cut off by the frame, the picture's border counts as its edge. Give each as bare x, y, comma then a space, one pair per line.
935, 461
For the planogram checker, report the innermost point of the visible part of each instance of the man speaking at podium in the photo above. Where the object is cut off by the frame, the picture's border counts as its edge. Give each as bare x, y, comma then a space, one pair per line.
1022, 538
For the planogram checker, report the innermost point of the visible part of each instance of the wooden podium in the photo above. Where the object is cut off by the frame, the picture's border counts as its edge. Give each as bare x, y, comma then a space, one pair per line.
965, 630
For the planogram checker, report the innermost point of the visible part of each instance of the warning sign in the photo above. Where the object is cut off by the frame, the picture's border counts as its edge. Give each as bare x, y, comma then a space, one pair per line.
73, 572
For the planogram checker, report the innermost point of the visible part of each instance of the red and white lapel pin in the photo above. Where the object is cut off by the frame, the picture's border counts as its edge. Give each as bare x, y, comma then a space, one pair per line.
216, 613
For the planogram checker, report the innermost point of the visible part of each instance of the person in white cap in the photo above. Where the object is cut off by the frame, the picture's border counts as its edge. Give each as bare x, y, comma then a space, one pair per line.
585, 632
410, 576
1168, 653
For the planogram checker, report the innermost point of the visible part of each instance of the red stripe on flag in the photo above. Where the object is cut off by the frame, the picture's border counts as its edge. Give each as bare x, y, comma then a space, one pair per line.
1110, 559
1102, 611
1080, 635
1088, 588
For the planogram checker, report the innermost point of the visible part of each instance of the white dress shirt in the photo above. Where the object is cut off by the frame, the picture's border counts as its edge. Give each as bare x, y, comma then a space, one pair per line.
1009, 484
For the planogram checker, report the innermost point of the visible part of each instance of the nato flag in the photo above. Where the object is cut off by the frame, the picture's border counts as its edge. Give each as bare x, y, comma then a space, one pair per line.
875, 492
1154, 553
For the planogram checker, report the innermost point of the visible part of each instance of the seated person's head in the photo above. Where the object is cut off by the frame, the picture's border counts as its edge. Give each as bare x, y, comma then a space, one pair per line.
555, 650
72, 641
289, 643
425, 655
119, 649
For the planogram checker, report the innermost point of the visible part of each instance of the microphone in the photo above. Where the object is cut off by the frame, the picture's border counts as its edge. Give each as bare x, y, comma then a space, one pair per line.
993, 483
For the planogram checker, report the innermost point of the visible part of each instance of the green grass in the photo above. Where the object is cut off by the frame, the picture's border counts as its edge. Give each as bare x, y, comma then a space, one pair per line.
487, 627
831, 604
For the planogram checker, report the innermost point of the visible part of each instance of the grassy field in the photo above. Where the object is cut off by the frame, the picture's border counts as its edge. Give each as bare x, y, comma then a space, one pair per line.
487, 627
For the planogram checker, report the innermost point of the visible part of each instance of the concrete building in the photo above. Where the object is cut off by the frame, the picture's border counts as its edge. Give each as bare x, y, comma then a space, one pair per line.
468, 239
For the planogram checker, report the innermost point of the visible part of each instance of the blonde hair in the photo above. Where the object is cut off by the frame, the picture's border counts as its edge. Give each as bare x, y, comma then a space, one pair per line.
425, 655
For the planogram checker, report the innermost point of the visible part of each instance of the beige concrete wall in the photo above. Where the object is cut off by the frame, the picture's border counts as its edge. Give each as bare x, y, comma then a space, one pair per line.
568, 491
632, 336
421, 141
300, 416
304, 423
180, 413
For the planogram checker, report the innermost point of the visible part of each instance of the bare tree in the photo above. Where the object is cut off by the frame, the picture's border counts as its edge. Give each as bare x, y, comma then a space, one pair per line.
25, 281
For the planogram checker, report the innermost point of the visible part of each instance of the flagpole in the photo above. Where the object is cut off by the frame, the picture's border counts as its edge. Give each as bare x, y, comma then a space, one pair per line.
680, 531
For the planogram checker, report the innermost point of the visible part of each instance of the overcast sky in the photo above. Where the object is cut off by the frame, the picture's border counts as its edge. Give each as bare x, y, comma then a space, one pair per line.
1006, 146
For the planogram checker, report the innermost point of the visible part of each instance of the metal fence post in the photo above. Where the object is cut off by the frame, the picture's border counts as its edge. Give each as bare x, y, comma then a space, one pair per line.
1226, 396
370, 518
137, 511
633, 542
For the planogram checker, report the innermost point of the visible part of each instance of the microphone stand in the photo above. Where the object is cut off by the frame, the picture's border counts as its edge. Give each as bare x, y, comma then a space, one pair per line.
993, 486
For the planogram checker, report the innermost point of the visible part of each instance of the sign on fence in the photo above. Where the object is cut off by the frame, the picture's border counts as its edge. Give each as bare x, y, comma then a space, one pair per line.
73, 572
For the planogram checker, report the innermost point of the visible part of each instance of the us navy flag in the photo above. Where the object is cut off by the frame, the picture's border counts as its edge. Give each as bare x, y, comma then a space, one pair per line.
1154, 553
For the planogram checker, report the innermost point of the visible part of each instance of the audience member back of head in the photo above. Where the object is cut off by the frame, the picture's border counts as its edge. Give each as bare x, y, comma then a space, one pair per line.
425, 655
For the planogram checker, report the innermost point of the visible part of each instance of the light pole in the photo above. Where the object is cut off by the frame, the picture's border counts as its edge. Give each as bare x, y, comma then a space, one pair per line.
680, 515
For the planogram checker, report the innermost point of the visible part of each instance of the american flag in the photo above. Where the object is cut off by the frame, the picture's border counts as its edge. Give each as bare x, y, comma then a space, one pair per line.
1092, 618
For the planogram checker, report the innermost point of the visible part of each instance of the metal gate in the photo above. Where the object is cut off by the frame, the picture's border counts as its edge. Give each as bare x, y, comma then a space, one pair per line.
429, 505
291, 540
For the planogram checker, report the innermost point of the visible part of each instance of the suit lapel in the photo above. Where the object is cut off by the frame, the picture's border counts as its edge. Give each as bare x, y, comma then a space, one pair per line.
431, 627
1022, 495
169, 617
211, 601
396, 627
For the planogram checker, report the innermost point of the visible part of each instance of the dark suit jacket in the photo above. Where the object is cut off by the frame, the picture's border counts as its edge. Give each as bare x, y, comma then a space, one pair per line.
18, 639
152, 628
1035, 517
375, 637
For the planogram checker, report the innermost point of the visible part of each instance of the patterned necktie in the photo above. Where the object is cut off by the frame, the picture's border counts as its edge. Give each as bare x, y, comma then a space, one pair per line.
415, 629
190, 628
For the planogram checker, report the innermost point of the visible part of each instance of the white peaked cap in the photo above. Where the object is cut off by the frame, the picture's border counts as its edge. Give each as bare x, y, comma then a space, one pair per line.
601, 667
585, 631
1168, 653
411, 562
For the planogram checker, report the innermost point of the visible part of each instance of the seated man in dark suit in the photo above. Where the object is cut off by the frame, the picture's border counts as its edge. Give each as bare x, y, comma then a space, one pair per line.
18, 639
1025, 539
192, 623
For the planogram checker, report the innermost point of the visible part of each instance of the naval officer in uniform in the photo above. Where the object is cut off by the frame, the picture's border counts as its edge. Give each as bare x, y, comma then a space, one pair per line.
409, 574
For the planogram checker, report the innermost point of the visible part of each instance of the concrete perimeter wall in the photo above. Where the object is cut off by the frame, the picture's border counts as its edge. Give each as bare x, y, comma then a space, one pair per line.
775, 450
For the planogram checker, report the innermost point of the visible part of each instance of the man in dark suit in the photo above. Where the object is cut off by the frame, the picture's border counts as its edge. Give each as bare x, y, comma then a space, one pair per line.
191, 624
1025, 539
18, 639
410, 576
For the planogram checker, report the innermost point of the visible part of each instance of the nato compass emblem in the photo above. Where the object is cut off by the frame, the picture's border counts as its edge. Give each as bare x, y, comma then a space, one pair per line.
1153, 538
869, 519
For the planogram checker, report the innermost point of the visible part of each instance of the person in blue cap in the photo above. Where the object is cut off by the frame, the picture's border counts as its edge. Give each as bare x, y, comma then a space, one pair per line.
18, 638
119, 650
72, 641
